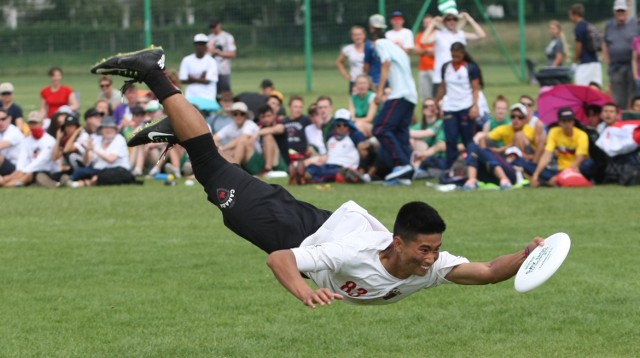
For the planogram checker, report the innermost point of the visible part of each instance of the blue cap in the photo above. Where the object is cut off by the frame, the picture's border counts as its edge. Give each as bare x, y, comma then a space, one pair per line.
397, 14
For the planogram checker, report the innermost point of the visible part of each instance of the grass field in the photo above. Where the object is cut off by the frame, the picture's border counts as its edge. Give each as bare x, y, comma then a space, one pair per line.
151, 271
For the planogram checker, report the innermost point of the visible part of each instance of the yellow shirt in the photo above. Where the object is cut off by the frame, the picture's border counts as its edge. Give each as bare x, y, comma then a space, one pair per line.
566, 148
505, 133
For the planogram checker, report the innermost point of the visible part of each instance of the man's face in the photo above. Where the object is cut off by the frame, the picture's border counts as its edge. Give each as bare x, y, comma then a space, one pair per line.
325, 109
201, 49
216, 29
108, 132
342, 128
132, 96
620, 16
567, 126
517, 120
397, 22
529, 104
93, 123
105, 86
5, 120
274, 104
609, 114
7, 96
417, 257
296, 108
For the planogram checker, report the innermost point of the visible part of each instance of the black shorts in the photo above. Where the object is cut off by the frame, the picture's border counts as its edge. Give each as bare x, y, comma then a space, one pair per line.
6, 167
266, 215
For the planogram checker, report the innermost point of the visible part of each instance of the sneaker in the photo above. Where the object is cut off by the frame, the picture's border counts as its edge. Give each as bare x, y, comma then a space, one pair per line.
397, 182
158, 131
64, 179
399, 171
134, 65
171, 169
44, 180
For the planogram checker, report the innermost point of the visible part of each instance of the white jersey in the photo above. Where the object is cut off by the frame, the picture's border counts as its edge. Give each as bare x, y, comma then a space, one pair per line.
226, 42
231, 132
191, 65
403, 38
35, 155
315, 138
400, 75
343, 152
356, 61
444, 40
343, 255
14, 137
118, 147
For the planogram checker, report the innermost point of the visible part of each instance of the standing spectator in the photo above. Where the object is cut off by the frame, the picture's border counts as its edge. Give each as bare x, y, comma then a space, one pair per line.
400, 35
108, 93
362, 105
391, 127
123, 111
13, 110
10, 139
426, 52
199, 72
557, 50
616, 52
569, 144
35, 154
222, 47
56, 95
588, 68
461, 82
444, 38
354, 53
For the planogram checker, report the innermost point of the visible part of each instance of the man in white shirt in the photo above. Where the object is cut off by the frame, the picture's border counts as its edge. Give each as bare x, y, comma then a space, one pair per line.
199, 71
400, 35
35, 154
222, 46
391, 126
349, 254
240, 144
10, 139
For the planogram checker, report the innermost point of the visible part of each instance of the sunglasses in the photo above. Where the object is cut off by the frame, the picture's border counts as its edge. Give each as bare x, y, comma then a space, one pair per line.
338, 125
105, 86
6, 93
518, 116
451, 19
237, 113
426, 106
527, 104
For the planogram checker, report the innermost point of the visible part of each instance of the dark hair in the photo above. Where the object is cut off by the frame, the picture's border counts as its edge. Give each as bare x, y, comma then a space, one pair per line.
276, 97
416, 218
377, 33
424, 118
324, 98
500, 98
595, 84
54, 69
264, 109
533, 101
295, 97
312, 110
634, 99
612, 104
459, 47
577, 10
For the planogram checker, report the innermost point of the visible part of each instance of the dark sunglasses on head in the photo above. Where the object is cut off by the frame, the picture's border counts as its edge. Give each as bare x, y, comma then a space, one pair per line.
518, 116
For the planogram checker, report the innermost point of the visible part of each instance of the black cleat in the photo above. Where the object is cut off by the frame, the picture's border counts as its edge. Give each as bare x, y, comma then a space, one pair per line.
158, 131
134, 65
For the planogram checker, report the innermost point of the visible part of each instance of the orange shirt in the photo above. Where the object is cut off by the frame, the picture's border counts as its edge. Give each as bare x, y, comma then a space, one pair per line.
427, 62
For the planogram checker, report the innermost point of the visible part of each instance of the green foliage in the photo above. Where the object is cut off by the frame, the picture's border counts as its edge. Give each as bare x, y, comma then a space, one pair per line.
152, 271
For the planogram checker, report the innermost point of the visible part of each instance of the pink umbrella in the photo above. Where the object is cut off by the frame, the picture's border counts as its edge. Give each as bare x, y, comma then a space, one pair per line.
579, 98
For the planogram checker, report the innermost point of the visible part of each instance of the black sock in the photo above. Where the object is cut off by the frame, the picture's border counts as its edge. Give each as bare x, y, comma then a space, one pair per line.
160, 84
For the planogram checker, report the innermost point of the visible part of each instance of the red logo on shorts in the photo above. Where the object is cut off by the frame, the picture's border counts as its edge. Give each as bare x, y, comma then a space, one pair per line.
226, 198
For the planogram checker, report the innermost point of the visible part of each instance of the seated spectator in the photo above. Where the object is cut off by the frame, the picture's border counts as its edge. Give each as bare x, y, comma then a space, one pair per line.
109, 94
489, 167
500, 117
315, 137
275, 101
362, 106
241, 145
35, 154
346, 145
106, 159
534, 122
103, 107
609, 116
65, 138
122, 113
569, 144
268, 89
427, 137
324, 105
10, 140
518, 134
13, 110
273, 140
222, 118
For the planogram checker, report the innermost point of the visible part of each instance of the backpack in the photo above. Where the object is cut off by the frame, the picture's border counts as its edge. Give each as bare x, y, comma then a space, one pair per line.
594, 39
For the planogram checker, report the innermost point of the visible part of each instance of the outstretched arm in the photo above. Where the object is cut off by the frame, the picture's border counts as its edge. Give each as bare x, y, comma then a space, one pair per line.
500, 269
283, 265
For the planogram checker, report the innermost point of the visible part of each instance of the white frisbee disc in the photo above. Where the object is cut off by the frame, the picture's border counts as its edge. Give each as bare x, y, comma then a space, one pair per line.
542, 262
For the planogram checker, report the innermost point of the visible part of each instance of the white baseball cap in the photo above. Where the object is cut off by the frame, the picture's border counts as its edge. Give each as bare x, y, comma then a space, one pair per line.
513, 150
343, 114
620, 5
200, 38
520, 107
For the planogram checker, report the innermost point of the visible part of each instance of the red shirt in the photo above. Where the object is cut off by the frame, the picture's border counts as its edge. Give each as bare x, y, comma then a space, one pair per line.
427, 62
57, 99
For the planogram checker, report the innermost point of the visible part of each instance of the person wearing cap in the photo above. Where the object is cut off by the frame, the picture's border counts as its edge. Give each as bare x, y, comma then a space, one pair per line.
199, 71
569, 144
10, 139
444, 37
517, 133
619, 33
345, 148
237, 141
106, 154
354, 53
267, 89
585, 59
400, 35
391, 127
57, 95
222, 46
13, 110
35, 154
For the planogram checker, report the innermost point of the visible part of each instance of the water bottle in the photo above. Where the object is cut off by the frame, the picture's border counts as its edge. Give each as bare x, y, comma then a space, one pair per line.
164, 176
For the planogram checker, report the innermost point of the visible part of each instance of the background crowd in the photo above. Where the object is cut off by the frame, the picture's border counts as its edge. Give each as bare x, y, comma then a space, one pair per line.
459, 136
